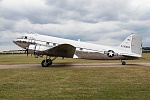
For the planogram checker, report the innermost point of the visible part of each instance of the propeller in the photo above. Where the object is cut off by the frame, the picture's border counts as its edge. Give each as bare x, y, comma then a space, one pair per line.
27, 51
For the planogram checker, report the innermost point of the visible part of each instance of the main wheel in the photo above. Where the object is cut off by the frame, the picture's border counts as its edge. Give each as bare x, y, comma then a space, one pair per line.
46, 63
123, 63
49, 61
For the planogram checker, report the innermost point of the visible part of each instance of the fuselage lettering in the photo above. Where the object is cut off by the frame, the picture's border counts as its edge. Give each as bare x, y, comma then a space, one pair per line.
124, 46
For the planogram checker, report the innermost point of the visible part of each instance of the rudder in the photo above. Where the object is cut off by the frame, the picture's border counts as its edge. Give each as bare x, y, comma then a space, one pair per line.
136, 44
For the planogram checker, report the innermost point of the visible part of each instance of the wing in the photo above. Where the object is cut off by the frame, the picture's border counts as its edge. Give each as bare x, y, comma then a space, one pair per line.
63, 50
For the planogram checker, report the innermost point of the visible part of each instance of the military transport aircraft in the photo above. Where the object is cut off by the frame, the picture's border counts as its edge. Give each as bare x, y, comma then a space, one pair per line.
39, 45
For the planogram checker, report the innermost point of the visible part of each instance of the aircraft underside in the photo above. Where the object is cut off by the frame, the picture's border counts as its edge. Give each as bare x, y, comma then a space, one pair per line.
87, 55
83, 55
99, 56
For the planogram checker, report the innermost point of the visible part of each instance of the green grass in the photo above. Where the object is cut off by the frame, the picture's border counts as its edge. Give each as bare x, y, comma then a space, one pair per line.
126, 83
71, 83
23, 59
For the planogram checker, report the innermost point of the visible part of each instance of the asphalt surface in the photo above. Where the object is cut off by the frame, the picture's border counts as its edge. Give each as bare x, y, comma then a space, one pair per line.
76, 65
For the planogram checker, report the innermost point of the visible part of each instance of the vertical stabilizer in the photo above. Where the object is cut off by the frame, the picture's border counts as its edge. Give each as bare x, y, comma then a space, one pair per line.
132, 44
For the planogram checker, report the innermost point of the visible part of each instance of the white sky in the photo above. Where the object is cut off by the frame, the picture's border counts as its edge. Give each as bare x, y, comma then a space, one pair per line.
97, 21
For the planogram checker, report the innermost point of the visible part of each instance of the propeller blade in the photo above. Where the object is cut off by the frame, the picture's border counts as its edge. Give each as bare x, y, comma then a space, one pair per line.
27, 52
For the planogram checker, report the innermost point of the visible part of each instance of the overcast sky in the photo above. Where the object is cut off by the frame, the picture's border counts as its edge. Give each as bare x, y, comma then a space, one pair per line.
106, 22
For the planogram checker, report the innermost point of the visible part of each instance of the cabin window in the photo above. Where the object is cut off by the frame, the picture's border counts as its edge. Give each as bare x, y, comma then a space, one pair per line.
25, 37
54, 44
47, 43
81, 49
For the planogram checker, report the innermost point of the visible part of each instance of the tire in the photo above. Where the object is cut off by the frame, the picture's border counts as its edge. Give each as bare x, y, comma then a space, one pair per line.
49, 62
44, 63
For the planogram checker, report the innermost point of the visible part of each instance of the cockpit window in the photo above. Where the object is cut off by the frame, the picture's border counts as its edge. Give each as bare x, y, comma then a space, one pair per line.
23, 37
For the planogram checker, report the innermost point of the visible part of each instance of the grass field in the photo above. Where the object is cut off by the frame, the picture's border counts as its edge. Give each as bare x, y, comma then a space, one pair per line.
98, 83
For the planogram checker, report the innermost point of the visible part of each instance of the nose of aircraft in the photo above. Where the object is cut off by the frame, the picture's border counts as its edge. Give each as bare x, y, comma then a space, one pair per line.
15, 41
22, 44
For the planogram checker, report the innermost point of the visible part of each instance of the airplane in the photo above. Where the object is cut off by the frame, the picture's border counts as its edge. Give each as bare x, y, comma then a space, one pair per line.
39, 45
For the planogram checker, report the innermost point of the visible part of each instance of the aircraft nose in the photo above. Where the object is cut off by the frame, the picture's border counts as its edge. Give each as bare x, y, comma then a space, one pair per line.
15, 41
21, 43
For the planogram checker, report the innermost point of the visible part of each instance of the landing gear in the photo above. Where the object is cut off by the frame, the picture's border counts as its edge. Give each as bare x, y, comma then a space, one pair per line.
47, 62
123, 62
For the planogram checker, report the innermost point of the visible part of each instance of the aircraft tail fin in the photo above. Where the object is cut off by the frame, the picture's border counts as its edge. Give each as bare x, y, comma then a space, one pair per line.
132, 44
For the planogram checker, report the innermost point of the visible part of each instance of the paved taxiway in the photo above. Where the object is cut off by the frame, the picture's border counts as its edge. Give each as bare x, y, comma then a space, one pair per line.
76, 65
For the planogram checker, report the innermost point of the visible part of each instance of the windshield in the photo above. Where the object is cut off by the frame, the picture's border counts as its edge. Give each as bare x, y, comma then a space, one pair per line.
23, 37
